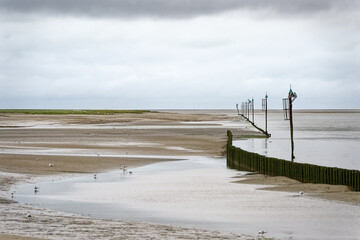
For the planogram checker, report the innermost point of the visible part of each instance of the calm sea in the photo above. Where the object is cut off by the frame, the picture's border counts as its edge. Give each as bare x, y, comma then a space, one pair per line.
327, 138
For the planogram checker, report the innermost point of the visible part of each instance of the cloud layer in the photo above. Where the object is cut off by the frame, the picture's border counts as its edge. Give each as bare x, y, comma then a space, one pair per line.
170, 8
191, 54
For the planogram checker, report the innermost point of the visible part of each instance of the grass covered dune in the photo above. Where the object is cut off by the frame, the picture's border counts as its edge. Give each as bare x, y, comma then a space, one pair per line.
70, 111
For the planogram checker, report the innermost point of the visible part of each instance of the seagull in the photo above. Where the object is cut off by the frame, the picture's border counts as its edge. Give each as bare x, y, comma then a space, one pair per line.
29, 216
262, 233
301, 193
51, 165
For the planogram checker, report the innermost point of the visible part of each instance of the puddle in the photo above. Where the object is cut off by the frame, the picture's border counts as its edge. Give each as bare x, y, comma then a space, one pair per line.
198, 193
182, 149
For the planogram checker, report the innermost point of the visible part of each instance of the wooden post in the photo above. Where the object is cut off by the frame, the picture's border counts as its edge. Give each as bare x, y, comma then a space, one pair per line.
266, 97
292, 96
248, 108
265, 108
252, 105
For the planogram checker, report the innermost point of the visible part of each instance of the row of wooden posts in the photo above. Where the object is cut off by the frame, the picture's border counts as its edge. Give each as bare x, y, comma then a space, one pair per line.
248, 106
306, 173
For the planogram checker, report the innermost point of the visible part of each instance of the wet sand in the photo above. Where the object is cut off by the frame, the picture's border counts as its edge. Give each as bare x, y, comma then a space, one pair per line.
12, 237
284, 184
90, 144
84, 144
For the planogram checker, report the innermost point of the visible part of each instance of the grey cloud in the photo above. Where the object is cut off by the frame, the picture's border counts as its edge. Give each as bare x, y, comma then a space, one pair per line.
169, 8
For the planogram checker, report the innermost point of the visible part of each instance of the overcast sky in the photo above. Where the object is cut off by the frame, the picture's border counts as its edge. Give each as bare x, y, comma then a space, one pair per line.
156, 54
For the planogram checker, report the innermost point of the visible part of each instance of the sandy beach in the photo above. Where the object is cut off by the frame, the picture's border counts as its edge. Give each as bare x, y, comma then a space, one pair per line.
38, 147
284, 184
76, 144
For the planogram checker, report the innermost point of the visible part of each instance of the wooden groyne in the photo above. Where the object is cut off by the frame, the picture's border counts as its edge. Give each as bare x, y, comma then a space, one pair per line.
242, 160
267, 135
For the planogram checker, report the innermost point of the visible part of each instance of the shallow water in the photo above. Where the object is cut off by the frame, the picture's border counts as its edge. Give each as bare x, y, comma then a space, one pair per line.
327, 139
199, 193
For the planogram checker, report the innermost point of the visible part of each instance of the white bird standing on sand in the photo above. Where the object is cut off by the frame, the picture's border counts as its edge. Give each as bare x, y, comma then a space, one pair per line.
301, 193
51, 165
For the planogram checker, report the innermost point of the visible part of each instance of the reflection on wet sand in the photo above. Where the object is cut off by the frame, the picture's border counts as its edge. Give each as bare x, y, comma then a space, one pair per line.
196, 193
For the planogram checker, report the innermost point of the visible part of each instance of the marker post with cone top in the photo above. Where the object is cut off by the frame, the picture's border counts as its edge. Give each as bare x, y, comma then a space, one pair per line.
292, 96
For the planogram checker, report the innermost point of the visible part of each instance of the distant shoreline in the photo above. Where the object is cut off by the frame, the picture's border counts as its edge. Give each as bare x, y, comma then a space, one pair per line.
69, 111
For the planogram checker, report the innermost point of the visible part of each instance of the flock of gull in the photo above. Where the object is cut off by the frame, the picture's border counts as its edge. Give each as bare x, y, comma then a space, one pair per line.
124, 170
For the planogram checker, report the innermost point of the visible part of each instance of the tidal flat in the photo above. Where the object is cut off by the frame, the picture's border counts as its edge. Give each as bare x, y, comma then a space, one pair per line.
80, 146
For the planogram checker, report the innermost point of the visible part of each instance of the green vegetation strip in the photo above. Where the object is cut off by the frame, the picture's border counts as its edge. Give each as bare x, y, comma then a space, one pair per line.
307, 173
69, 111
